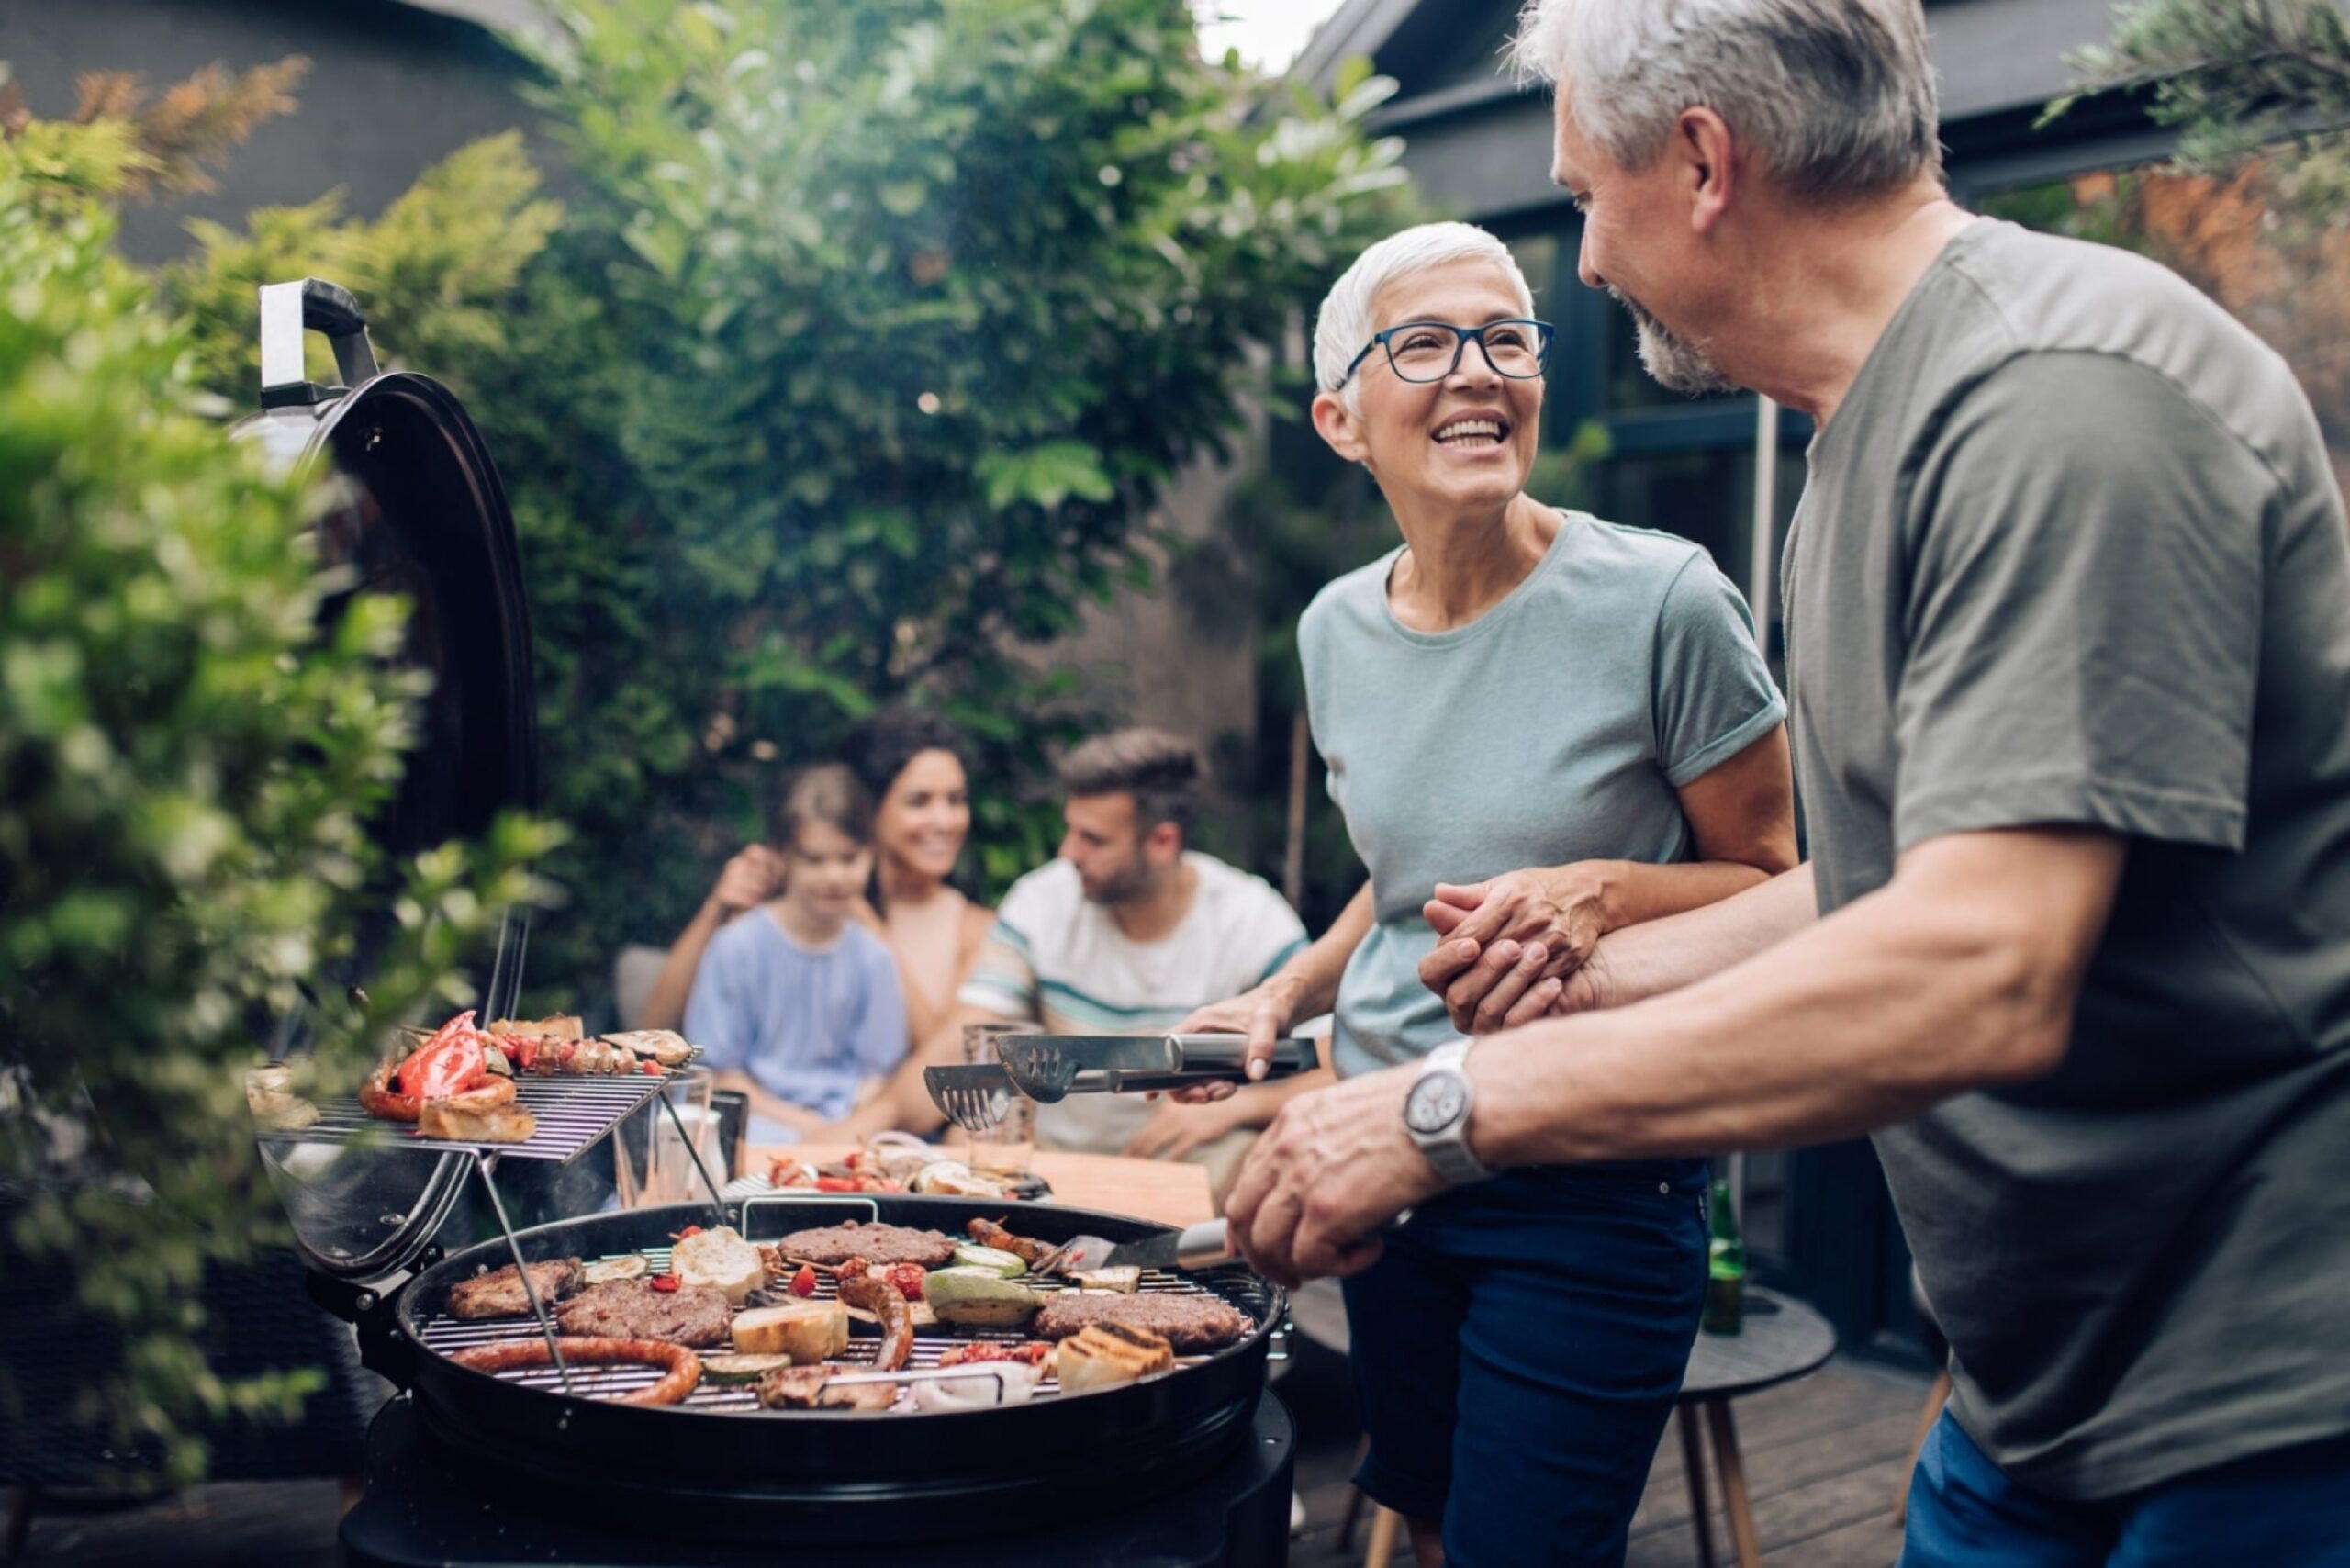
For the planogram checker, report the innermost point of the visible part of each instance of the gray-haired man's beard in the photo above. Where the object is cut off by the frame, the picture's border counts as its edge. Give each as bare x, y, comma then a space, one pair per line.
1671, 360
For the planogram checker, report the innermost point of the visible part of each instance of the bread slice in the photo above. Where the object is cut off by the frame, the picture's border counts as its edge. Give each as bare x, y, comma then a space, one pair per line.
719, 1258
807, 1331
493, 1124
1103, 1355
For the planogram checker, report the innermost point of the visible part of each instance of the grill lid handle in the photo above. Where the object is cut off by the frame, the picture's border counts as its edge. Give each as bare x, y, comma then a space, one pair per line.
289, 310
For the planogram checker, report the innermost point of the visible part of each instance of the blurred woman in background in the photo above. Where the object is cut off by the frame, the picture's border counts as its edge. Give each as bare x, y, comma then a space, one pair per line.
914, 765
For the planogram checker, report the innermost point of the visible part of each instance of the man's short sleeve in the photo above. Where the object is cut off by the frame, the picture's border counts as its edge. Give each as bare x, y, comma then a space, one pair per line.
1003, 976
2081, 633
1713, 694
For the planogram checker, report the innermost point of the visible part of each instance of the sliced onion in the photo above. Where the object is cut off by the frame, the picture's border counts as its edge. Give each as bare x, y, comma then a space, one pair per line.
984, 1389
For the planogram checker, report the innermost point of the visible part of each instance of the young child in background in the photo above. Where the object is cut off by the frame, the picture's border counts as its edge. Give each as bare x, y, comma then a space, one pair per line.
796, 1004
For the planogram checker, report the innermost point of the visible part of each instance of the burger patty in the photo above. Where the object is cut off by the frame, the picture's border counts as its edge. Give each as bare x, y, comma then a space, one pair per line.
875, 1243
1191, 1322
498, 1294
632, 1309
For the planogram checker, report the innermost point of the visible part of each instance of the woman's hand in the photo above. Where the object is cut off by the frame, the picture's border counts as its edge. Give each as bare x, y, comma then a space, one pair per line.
1506, 947
752, 876
1263, 1013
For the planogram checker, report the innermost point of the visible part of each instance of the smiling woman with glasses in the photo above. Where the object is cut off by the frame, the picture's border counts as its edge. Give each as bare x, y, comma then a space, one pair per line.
1539, 726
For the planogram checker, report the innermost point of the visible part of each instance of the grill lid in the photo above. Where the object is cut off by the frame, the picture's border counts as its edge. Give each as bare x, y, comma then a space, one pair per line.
416, 510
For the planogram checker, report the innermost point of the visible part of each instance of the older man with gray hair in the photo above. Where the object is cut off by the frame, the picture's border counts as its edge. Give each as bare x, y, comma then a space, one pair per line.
2069, 662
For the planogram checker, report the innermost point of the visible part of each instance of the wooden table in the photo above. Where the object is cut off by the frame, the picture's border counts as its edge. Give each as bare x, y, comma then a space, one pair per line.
1780, 1339
1167, 1190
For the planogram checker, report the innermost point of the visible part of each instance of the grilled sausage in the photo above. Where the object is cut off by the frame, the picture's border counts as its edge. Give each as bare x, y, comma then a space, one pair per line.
987, 1233
681, 1368
872, 1294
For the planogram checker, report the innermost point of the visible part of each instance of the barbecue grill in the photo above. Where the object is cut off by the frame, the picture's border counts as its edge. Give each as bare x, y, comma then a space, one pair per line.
419, 510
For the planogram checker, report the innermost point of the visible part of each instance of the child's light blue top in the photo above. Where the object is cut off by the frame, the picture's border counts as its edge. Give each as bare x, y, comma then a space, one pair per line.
808, 1024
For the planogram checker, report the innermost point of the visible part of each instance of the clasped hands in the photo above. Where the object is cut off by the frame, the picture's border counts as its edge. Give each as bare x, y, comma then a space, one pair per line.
1514, 948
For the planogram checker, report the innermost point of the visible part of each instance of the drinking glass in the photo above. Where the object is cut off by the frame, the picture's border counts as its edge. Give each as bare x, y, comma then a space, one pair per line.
657, 1165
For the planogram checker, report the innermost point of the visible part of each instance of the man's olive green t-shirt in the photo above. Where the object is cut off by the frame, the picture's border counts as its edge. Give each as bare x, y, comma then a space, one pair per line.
2071, 552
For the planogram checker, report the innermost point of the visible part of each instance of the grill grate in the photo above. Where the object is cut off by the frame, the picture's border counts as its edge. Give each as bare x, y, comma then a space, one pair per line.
574, 1113
444, 1334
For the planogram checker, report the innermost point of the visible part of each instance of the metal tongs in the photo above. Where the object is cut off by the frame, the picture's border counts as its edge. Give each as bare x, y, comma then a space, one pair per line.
1049, 1068
974, 1097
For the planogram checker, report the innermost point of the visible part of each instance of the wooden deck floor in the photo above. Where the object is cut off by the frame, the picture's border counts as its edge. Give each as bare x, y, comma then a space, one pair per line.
1823, 1459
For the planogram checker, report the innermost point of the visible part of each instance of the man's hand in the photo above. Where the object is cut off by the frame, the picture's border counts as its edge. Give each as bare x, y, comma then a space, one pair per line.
1503, 940
1174, 1131
752, 876
1334, 1167
1264, 1014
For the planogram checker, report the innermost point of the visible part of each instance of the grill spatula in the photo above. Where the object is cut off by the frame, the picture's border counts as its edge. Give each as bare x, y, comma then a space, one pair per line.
1202, 1246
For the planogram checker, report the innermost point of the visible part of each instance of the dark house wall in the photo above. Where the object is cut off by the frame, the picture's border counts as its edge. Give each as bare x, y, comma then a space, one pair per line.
391, 90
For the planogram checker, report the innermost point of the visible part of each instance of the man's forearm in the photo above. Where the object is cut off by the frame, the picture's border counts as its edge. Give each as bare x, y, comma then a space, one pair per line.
1959, 977
1665, 952
1634, 893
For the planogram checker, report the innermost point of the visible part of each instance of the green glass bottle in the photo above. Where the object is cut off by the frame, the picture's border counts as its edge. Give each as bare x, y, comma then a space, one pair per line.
1725, 1266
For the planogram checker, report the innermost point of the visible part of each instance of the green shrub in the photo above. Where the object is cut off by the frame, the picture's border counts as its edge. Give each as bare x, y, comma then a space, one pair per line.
871, 339
185, 766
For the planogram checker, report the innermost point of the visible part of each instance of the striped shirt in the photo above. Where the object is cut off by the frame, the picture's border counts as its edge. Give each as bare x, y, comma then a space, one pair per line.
1055, 959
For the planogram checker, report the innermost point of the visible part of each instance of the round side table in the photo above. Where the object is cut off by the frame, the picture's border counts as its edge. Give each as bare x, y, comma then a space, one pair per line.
1781, 1339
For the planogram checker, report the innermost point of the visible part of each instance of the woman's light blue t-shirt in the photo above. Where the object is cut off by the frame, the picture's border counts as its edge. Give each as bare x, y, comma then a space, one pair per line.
808, 1024
1558, 726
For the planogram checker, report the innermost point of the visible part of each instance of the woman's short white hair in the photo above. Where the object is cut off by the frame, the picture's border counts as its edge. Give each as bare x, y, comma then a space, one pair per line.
1345, 322
1838, 95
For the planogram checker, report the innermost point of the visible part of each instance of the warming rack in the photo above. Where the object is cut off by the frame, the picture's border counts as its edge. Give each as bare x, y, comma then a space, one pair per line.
575, 1114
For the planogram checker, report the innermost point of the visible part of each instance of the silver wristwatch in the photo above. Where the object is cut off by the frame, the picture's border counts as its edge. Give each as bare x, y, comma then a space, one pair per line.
1435, 1114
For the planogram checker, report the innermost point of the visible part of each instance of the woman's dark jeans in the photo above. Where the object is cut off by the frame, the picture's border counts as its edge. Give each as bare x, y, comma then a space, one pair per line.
1517, 1348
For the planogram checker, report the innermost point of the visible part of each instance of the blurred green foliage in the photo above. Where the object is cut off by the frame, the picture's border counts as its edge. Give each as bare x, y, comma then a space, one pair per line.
2241, 78
186, 765
868, 344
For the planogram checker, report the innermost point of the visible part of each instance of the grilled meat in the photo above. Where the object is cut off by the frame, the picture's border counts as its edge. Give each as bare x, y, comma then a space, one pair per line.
980, 1352
1191, 1322
632, 1309
883, 1245
808, 1388
876, 1295
662, 1045
498, 1294
987, 1233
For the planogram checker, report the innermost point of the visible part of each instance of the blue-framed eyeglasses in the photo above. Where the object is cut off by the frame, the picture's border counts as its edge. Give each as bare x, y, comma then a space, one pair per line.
1430, 351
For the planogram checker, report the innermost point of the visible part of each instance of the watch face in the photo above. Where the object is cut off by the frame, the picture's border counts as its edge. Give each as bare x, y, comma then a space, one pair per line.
1435, 1103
